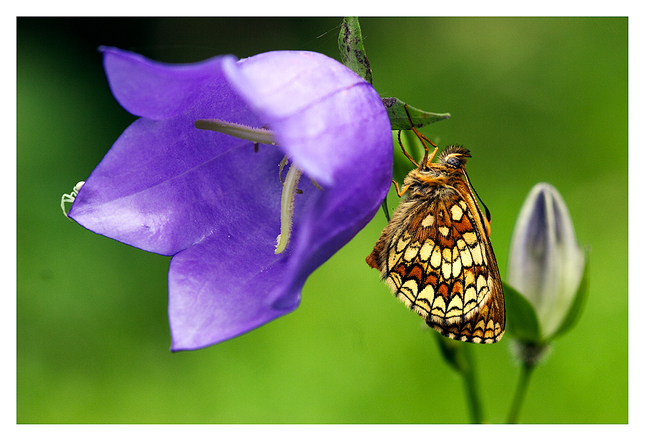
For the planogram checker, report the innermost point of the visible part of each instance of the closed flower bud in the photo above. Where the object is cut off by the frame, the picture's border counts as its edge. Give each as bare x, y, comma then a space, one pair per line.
546, 263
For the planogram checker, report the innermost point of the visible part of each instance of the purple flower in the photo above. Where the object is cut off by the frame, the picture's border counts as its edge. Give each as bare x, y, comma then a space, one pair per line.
213, 201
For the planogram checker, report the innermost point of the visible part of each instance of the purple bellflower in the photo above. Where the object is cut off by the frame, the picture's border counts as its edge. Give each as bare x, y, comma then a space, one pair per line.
217, 202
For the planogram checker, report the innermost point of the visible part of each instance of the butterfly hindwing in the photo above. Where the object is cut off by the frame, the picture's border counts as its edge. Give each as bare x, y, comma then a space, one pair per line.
436, 256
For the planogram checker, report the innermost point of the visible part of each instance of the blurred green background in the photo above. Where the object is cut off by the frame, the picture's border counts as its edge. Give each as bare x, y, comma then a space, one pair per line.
534, 99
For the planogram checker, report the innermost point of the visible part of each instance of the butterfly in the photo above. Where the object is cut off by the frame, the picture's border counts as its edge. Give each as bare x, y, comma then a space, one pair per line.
435, 253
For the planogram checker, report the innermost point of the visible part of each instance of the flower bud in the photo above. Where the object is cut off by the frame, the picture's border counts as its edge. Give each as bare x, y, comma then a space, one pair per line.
546, 264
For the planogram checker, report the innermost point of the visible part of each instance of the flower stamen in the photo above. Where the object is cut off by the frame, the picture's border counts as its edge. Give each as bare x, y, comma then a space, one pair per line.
255, 135
281, 165
290, 188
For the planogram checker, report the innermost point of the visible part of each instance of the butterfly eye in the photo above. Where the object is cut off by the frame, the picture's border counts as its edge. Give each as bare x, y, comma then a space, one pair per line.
454, 161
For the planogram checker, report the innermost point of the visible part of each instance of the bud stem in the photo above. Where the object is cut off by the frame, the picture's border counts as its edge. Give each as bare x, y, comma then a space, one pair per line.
522, 385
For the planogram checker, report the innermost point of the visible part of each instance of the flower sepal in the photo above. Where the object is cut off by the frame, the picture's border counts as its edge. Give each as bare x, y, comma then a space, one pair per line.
522, 321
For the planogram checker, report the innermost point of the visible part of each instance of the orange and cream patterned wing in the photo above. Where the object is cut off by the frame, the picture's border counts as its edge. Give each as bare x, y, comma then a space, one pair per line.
441, 264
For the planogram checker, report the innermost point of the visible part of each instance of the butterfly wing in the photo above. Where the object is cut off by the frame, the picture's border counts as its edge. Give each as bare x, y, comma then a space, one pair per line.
436, 257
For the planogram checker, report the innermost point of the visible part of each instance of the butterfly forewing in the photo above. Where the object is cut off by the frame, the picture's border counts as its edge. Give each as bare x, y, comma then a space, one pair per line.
436, 256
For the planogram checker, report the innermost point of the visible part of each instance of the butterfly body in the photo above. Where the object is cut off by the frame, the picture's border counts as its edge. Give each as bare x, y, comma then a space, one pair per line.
435, 253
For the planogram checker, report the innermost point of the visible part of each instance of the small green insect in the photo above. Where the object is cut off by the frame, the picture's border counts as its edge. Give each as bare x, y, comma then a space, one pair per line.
69, 198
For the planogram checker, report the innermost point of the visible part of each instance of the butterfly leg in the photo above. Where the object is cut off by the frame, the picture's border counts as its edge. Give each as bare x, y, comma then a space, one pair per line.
423, 138
405, 152
400, 193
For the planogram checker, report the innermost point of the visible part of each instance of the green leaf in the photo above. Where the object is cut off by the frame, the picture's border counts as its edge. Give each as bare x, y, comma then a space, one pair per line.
400, 118
386, 210
521, 320
578, 302
352, 51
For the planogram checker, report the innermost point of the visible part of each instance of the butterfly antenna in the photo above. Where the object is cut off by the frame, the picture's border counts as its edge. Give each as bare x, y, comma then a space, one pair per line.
488, 217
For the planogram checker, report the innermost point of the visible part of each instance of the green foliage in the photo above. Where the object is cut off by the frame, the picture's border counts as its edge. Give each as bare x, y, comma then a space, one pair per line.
352, 51
404, 117
353, 55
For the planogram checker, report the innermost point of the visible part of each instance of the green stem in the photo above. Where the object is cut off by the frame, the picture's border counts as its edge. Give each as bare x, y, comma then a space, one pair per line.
522, 385
472, 388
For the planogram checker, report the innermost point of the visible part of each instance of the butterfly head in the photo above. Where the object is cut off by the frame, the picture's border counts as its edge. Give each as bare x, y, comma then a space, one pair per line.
454, 156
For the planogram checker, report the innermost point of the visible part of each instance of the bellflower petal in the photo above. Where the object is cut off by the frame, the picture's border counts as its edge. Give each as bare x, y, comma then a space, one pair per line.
213, 203
546, 263
285, 97
159, 90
